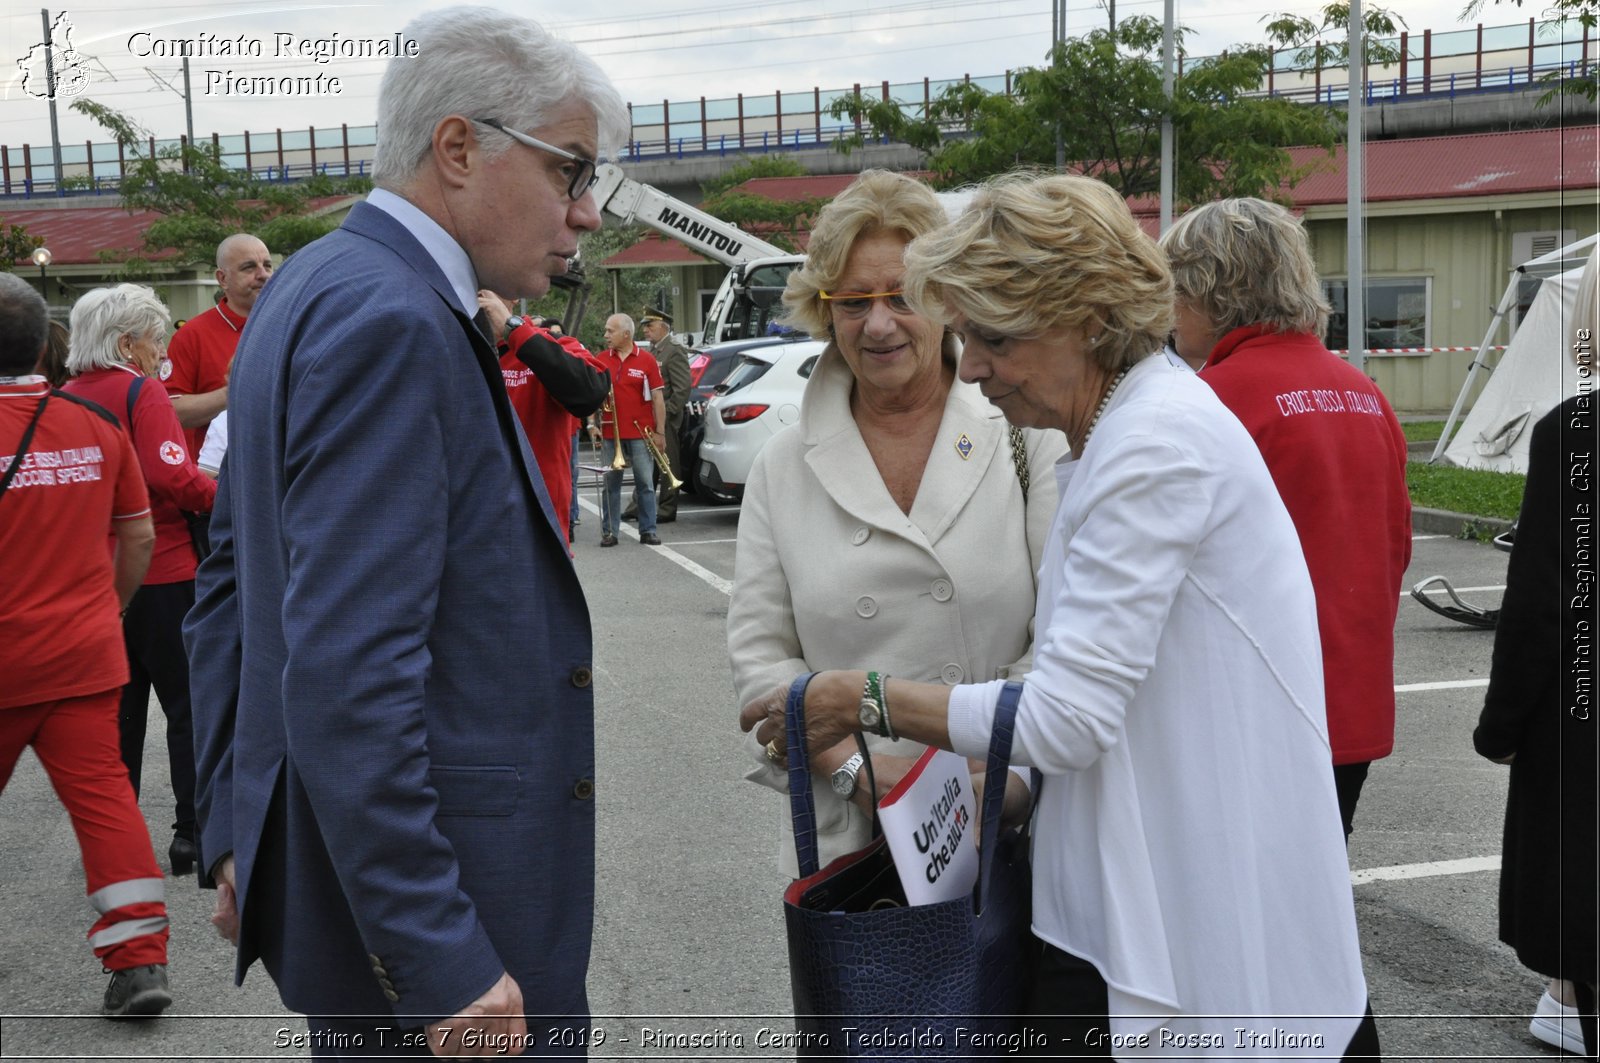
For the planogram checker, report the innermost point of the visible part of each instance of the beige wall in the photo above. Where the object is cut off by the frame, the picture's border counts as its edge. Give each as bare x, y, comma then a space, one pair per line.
1465, 248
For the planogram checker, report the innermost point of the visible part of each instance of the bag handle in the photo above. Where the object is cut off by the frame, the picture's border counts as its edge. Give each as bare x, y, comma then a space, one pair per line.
22, 447
994, 784
802, 805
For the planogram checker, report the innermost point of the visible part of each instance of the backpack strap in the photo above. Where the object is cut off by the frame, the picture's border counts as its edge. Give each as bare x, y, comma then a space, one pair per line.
22, 447
138, 385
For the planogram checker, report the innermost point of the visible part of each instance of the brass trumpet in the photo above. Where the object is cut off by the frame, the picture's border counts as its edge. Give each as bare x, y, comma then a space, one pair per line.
672, 482
618, 462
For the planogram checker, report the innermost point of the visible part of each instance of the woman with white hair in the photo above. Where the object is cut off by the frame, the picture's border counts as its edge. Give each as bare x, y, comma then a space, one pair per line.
1191, 896
117, 355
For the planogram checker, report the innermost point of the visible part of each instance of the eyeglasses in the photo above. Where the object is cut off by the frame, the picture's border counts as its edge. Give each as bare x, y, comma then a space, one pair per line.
859, 304
579, 172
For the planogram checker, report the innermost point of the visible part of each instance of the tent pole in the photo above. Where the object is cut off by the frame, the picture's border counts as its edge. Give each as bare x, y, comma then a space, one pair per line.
1506, 302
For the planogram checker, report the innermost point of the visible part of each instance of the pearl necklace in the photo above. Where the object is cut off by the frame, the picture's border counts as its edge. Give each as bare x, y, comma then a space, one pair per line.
1105, 400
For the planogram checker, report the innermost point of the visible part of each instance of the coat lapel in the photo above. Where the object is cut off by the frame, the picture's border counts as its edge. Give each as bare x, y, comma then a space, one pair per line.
375, 224
838, 456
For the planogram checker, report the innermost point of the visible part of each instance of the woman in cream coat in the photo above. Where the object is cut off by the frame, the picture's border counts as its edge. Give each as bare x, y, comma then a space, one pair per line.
1191, 893
890, 523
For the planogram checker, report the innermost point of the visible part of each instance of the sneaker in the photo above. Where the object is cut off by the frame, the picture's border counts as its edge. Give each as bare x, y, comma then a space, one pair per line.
1556, 1024
137, 993
649, 539
608, 539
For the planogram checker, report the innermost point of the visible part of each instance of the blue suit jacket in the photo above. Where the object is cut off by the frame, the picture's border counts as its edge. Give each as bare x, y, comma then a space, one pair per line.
392, 702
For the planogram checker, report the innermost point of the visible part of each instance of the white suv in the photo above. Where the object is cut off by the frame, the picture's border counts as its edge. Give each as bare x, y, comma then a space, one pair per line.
759, 399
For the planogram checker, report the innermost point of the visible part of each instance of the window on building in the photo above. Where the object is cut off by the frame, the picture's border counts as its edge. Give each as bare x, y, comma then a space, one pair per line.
1397, 312
1532, 244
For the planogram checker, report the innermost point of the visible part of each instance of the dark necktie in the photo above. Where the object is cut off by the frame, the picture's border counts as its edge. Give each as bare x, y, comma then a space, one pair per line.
481, 319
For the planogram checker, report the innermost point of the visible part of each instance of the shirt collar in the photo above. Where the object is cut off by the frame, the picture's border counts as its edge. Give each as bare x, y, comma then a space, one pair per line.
30, 386
230, 315
448, 255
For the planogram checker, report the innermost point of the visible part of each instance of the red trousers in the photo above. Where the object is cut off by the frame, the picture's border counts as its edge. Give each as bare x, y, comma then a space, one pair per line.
76, 740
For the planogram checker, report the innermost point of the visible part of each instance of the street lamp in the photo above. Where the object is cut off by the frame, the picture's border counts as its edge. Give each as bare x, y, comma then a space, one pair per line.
42, 258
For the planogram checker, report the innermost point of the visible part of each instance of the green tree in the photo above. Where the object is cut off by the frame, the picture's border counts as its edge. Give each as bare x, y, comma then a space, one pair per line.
16, 243
1104, 92
776, 221
1325, 41
202, 200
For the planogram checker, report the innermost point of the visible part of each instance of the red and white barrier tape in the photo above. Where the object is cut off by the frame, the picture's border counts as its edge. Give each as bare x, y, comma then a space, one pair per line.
1420, 350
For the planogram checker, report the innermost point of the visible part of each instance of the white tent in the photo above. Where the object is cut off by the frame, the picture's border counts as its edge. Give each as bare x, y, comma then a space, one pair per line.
1536, 372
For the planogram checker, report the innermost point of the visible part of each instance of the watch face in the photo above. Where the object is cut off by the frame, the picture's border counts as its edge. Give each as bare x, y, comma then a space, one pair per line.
513, 323
844, 783
869, 714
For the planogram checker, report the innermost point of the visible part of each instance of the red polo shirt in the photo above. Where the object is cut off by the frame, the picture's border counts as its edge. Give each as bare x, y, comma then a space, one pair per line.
200, 353
174, 480
634, 379
60, 626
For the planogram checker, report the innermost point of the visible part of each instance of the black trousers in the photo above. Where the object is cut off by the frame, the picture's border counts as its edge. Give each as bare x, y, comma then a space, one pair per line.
1069, 1006
152, 630
1347, 782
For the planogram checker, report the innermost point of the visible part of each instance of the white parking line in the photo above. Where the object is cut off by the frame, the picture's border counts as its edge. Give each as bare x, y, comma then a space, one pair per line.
1450, 684
1420, 538
701, 542
699, 571
1429, 870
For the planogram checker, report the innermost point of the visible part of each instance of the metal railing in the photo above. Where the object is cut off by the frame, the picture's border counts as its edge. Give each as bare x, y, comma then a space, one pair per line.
742, 125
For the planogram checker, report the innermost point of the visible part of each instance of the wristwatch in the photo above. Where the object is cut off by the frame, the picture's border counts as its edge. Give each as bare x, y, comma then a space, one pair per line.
844, 776
514, 322
874, 710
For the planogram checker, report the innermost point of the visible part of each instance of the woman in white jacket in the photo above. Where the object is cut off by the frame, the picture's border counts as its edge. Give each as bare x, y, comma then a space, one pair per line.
1191, 892
892, 524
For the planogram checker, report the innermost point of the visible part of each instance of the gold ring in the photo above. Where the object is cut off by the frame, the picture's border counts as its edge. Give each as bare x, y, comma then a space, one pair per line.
772, 751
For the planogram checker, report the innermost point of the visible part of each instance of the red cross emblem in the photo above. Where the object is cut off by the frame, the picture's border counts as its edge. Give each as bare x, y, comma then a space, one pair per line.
171, 453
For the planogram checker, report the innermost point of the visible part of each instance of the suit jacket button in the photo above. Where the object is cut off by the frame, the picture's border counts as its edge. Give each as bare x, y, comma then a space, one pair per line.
392, 995
372, 958
386, 984
582, 677
378, 970
584, 789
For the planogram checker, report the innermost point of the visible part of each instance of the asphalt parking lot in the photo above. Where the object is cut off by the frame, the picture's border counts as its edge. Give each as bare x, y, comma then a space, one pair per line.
689, 929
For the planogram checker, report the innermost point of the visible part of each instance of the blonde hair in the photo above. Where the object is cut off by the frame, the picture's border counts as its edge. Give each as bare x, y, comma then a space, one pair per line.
876, 202
104, 315
1032, 254
1246, 262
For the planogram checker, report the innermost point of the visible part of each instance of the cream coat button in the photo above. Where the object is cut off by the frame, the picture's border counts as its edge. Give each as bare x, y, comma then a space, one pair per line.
953, 674
861, 536
942, 591
866, 607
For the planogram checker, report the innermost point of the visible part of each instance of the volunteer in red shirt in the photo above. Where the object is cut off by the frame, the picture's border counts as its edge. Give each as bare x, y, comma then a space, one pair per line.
637, 395
551, 386
197, 377
1249, 302
69, 479
118, 338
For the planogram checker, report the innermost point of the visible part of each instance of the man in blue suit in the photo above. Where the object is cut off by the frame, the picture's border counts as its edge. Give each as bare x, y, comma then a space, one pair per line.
392, 686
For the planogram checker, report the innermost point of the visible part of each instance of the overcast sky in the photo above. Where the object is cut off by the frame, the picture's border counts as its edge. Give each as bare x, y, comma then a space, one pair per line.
661, 49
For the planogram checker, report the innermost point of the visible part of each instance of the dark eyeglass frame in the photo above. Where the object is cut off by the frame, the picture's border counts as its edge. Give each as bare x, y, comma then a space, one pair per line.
583, 177
859, 304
